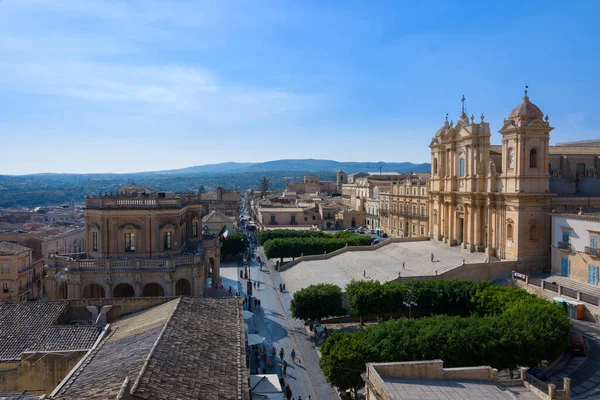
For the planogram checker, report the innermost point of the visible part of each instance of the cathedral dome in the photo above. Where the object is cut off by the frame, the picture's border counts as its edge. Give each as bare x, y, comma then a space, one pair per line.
443, 130
526, 110
562, 186
589, 186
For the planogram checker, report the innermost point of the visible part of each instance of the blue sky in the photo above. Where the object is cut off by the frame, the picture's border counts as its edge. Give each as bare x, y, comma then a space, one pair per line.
124, 86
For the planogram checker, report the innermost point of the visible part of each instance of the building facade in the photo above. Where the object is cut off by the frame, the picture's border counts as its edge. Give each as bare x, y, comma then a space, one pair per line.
497, 199
139, 243
20, 277
404, 208
575, 250
312, 184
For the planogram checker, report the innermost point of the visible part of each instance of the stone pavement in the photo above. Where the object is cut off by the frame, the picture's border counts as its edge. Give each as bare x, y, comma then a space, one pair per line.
272, 321
382, 264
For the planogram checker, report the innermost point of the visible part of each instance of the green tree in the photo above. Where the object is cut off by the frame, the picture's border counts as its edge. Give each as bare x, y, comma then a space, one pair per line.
264, 186
235, 244
317, 301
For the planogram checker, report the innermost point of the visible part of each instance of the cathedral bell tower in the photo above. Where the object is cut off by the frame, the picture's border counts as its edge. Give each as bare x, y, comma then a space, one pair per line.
525, 149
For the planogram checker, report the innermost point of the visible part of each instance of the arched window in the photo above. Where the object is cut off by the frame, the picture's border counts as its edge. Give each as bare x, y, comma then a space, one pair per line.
509, 232
462, 166
533, 232
435, 166
533, 158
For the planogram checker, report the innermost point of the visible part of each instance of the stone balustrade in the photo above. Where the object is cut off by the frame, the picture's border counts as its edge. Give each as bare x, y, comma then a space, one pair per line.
140, 264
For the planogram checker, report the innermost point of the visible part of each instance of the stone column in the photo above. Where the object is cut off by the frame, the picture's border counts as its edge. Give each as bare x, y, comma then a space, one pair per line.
477, 227
452, 216
489, 229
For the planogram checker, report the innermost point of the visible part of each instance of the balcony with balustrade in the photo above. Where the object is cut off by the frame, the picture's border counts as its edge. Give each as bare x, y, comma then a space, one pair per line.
592, 251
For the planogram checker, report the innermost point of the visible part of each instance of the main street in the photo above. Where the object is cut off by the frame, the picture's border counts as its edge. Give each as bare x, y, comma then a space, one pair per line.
272, 320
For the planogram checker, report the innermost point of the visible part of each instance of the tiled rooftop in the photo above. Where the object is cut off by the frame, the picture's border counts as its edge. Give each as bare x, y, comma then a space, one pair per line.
188, 348
32, 326
9, 249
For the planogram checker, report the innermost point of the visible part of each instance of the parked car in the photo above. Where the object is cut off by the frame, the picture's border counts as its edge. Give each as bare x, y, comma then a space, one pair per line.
384, 235
360, 230
372, 231
376, 240
577, 345
537, 373
349, 230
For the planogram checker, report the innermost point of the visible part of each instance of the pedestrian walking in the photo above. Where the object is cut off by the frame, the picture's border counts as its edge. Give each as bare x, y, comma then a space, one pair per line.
431, 257
288, 392
403, 265
293, 354
258, 284
281, 353
285, 364
255, 302
364, 273
258, 303
284, 287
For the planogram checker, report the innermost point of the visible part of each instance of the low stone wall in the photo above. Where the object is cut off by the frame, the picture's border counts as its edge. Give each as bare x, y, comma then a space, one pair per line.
121, 306
475, 272
592, 313
431, 369
351, 248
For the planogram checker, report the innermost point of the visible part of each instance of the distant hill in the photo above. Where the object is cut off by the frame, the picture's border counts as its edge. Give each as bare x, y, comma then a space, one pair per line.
210, 168
309, 164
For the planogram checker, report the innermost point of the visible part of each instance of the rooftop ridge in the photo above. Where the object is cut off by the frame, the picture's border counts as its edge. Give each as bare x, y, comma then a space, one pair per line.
136, 384
85, 360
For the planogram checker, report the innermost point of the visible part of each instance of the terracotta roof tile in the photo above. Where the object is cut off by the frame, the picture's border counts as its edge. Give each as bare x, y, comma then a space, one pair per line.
31, 326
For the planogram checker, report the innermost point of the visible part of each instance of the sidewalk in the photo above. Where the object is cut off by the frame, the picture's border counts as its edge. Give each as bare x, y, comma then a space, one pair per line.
298, 339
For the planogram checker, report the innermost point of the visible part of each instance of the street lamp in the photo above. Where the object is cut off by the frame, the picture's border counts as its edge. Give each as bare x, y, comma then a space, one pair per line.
409, 301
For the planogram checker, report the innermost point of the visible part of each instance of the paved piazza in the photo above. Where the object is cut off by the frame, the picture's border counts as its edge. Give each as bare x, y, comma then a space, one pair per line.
382, 264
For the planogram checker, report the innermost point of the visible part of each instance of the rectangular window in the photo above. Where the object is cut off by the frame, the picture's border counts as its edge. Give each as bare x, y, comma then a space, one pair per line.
462, 166
168, 240
314, 217
422, 231
593, 275
565, 267
5, 287
293, 219
422, 211
129, 241
272, 219
594, 243
414, 228
5, 268
195, 229
95, 241
565, 236
305, 219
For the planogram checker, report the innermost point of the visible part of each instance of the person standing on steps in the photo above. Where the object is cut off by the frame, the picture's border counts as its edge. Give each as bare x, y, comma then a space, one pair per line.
293, 354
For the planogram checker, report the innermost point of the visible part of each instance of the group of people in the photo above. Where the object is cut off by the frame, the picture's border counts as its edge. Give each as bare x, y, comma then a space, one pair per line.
289, 395
252, 300
282, 287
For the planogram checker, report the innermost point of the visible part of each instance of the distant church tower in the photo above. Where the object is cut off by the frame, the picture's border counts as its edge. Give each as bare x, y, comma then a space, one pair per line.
341, 179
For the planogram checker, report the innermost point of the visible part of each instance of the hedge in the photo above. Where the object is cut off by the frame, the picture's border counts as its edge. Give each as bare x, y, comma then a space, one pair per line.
295, 247
505, 327
264, 236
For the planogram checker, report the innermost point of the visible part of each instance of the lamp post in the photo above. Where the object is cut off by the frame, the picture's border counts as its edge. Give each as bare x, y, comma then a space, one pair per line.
409, 301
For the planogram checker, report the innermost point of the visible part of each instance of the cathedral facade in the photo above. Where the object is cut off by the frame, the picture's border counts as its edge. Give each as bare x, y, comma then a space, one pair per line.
497, 199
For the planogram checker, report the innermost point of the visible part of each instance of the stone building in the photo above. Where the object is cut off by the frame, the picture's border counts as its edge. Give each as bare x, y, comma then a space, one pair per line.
404, 207
20, 277
225, 201
575, 250
139, 242
497, 199
312, 184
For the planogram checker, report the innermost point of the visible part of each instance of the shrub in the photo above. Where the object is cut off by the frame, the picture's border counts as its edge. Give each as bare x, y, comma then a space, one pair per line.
317, 301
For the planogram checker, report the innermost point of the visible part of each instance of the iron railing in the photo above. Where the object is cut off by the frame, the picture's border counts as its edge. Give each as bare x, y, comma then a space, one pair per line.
564, 245
592, 251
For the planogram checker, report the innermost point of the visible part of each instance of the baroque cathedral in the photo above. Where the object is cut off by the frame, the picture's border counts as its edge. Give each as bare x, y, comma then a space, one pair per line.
498, 198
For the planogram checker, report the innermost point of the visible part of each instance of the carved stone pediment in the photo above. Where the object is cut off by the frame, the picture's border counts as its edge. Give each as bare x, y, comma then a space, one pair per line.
129, 226
168, 225
93, 225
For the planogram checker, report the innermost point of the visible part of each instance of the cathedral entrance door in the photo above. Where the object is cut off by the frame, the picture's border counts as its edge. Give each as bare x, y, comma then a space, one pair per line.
461, 230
